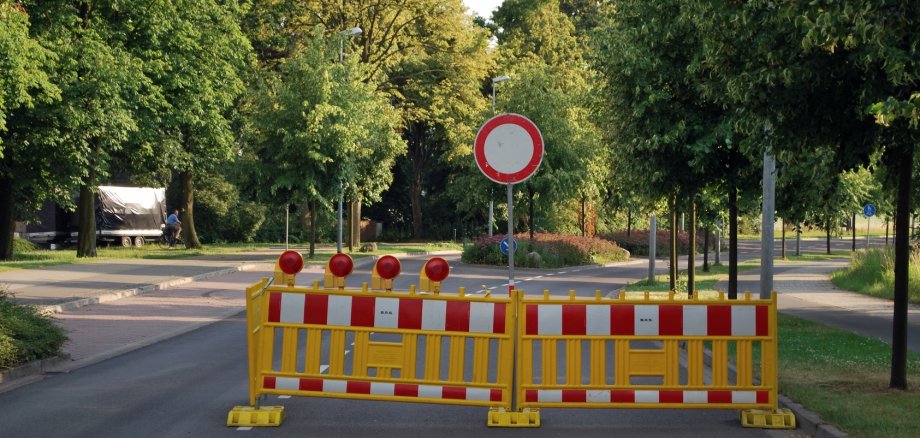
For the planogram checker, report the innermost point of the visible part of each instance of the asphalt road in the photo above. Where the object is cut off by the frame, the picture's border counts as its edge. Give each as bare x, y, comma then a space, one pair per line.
185, 386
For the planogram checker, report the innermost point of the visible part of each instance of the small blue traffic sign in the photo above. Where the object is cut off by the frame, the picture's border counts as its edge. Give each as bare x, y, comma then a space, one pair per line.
869, 210
504, 245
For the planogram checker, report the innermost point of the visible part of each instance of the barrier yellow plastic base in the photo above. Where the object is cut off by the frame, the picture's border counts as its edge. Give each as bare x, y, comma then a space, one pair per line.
768, 419
499, 417
247, 416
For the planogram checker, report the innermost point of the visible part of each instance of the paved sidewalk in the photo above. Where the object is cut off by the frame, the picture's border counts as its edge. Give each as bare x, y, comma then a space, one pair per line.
805, 291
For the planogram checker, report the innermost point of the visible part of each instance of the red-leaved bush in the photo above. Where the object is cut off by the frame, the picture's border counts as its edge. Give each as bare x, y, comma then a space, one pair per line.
637, 242
545, 251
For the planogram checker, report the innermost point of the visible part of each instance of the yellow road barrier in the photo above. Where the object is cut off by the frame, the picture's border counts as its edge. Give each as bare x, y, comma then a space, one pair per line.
644, 353
513, 354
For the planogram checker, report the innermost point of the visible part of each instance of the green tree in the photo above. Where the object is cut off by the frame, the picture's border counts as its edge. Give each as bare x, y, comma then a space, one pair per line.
102, 87
313, 125
24, 83
196, 56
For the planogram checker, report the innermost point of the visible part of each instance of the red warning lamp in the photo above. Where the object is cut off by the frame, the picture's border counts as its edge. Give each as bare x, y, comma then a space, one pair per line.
388, 267
437, 269
341, 265
291, 262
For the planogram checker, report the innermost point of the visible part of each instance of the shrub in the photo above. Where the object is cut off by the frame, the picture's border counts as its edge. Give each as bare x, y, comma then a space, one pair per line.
637, 242
22, 245
554, 250
26, 334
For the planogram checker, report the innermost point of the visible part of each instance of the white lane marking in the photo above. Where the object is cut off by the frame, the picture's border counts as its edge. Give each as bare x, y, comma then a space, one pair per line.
539, 276
244, 428
493, 287
284, 396
527, 279
562, 272
550, 274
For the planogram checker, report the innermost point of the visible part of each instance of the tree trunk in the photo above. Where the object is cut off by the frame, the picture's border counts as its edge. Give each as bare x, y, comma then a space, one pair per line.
828, 234
186, 209
583, 217
901, 261
733, 241
628, 221
672, 273
798, 239
853, 228
782, 250
354, 217
706, 249
415, 198
418, 157
691, 256
531, 218
86, 214
7, 219
886, 233
312, 207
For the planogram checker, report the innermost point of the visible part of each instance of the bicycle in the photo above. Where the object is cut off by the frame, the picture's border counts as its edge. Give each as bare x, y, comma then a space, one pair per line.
166, 239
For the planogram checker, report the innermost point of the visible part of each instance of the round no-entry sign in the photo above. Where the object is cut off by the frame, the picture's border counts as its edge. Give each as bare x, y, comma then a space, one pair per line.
508, 148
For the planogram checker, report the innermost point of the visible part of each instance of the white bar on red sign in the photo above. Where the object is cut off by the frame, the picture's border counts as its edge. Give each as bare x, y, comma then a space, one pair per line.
434, 315
744, 321
695, 321
292, 306
646, 320
339, 310
482, 317
386, 313
549, 319
597, 320
646, 396
378, 388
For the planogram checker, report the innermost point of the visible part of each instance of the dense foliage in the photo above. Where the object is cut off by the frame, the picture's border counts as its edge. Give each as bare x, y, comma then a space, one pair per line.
26, 334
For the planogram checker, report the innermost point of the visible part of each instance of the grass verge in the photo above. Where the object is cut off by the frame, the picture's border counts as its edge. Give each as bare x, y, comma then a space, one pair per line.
872, 273
26, 255
843, 377
704, 281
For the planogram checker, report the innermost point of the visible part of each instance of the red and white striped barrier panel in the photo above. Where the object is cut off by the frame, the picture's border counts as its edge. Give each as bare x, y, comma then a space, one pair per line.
382, 312
359, 388
646, 320
647, 397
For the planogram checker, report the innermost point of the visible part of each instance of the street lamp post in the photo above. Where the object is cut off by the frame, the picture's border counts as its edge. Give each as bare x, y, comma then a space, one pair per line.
491, 209
342, 35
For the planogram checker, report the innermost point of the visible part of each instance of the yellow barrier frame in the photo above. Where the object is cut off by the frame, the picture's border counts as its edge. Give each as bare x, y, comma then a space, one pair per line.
610, 385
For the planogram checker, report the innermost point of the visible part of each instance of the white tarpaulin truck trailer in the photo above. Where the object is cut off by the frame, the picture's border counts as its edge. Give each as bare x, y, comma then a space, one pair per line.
126, 215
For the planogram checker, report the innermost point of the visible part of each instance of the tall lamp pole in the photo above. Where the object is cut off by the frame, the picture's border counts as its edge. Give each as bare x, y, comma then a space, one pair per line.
342, 35
495, 80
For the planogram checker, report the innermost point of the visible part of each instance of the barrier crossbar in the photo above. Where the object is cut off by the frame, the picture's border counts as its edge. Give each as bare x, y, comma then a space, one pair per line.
431, 348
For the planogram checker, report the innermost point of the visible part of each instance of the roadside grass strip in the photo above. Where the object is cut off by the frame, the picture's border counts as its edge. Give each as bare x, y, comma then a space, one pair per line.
872, 273
843, 377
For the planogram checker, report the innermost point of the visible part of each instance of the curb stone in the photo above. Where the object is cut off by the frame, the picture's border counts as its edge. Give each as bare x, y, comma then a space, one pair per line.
112, 296
810, 422
13, 378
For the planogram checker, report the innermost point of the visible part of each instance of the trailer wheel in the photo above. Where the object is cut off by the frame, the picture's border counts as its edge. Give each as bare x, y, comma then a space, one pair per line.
139, 241
126, 242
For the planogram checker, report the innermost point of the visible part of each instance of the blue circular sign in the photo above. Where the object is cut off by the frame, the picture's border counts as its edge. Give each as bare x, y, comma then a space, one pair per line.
869, 210
504, 245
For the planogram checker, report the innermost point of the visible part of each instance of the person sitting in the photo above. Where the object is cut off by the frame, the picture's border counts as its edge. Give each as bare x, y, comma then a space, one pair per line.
173, 227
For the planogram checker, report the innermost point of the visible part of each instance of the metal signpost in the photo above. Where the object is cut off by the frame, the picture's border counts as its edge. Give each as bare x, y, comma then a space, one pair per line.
508, 150
869, 211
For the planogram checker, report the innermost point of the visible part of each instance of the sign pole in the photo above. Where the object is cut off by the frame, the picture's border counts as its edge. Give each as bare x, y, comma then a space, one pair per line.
511, 237
868, 221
